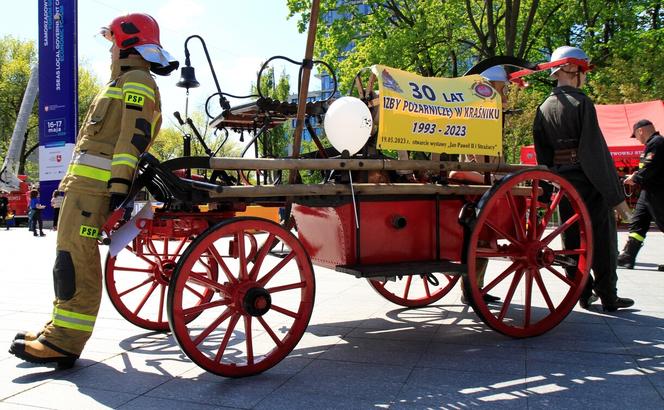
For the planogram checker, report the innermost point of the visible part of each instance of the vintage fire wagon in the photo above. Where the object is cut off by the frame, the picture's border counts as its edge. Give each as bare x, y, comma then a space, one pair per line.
238, 292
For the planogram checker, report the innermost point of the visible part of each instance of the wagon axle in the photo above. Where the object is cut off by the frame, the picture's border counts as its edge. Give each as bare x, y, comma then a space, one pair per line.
257, 301
164, 271
538, 254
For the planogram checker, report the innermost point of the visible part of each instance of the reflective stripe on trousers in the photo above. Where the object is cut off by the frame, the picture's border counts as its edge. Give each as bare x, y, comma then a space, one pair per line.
73, 320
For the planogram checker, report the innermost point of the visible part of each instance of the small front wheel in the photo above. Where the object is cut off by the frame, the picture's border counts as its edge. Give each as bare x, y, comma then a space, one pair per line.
262, 303
137, 279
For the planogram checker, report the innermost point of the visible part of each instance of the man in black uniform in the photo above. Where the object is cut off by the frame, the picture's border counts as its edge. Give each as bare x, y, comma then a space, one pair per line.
650, 177
568, 140
4, 208
639, 225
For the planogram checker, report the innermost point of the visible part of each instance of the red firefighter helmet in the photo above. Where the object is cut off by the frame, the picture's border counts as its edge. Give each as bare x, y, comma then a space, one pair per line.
133, 30
141, 32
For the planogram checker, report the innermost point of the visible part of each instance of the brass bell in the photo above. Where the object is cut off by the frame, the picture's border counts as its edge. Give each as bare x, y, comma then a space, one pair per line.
187, 78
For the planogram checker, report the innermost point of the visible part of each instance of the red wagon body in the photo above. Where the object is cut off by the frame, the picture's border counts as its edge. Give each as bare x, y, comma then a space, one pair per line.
390, 231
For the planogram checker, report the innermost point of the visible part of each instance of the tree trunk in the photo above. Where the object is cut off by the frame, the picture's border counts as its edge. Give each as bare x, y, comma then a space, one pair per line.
455, 64
655, 16
24, 154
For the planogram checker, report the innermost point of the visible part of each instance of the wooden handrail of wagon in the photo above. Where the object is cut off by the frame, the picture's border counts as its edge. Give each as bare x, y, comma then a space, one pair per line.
260, 191
361, 165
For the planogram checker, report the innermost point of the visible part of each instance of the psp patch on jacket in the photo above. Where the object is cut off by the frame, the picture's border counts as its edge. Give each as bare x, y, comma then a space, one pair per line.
134, 99
89, 231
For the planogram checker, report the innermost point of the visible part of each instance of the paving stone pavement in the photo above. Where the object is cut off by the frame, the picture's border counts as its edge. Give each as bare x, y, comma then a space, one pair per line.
359, 352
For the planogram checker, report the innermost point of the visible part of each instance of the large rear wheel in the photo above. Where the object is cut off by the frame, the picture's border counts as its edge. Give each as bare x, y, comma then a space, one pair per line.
538, 278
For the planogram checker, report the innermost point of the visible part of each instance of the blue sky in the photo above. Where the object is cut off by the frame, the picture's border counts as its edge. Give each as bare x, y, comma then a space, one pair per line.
239, 35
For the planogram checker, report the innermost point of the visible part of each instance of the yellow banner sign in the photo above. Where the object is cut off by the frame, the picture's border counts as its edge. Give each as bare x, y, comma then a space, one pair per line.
452, 115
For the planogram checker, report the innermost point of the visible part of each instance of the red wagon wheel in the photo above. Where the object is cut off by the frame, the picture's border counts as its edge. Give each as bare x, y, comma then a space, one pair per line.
263, 304
538, 280
415, 290
136, 280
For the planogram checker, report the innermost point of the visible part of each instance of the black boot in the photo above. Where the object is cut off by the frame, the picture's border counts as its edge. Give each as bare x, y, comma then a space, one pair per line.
627, 257
616, 303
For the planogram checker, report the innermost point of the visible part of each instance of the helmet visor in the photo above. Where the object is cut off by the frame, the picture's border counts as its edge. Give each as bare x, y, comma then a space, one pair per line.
155, 54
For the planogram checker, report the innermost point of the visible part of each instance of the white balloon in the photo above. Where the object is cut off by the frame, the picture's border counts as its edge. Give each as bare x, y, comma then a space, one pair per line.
348, 124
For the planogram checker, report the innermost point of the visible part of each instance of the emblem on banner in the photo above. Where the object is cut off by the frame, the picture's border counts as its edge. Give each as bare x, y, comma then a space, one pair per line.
390, 82
483, 90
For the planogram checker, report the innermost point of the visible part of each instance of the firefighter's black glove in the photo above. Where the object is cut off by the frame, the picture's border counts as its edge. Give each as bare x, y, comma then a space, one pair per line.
116, 200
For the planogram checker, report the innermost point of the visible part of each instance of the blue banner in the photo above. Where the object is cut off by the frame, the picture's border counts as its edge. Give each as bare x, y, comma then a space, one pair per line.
58, 92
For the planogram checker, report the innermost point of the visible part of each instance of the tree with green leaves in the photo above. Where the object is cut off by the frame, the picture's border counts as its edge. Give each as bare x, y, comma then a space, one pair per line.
276, 142
88, 88
169, 143
17, 57
444, 38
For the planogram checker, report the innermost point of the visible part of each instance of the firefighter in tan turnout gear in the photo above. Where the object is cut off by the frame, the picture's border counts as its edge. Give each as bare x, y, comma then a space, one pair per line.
120, 125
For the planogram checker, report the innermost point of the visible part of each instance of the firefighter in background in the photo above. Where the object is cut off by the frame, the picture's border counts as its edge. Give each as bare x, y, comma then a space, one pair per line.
9, 219
650, 177
497, 76
499, 80
569, 141
4, 208
120, 125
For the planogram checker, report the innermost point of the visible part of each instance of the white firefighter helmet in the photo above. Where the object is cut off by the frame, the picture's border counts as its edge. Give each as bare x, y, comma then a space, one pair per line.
568, 52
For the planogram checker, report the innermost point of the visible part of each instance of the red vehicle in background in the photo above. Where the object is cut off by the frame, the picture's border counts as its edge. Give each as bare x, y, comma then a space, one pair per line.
19, 201
12, 185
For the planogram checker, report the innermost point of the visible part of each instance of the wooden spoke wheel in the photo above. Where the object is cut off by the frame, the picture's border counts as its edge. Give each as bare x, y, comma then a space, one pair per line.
415, 290
137, 279
538, 278
261, 307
